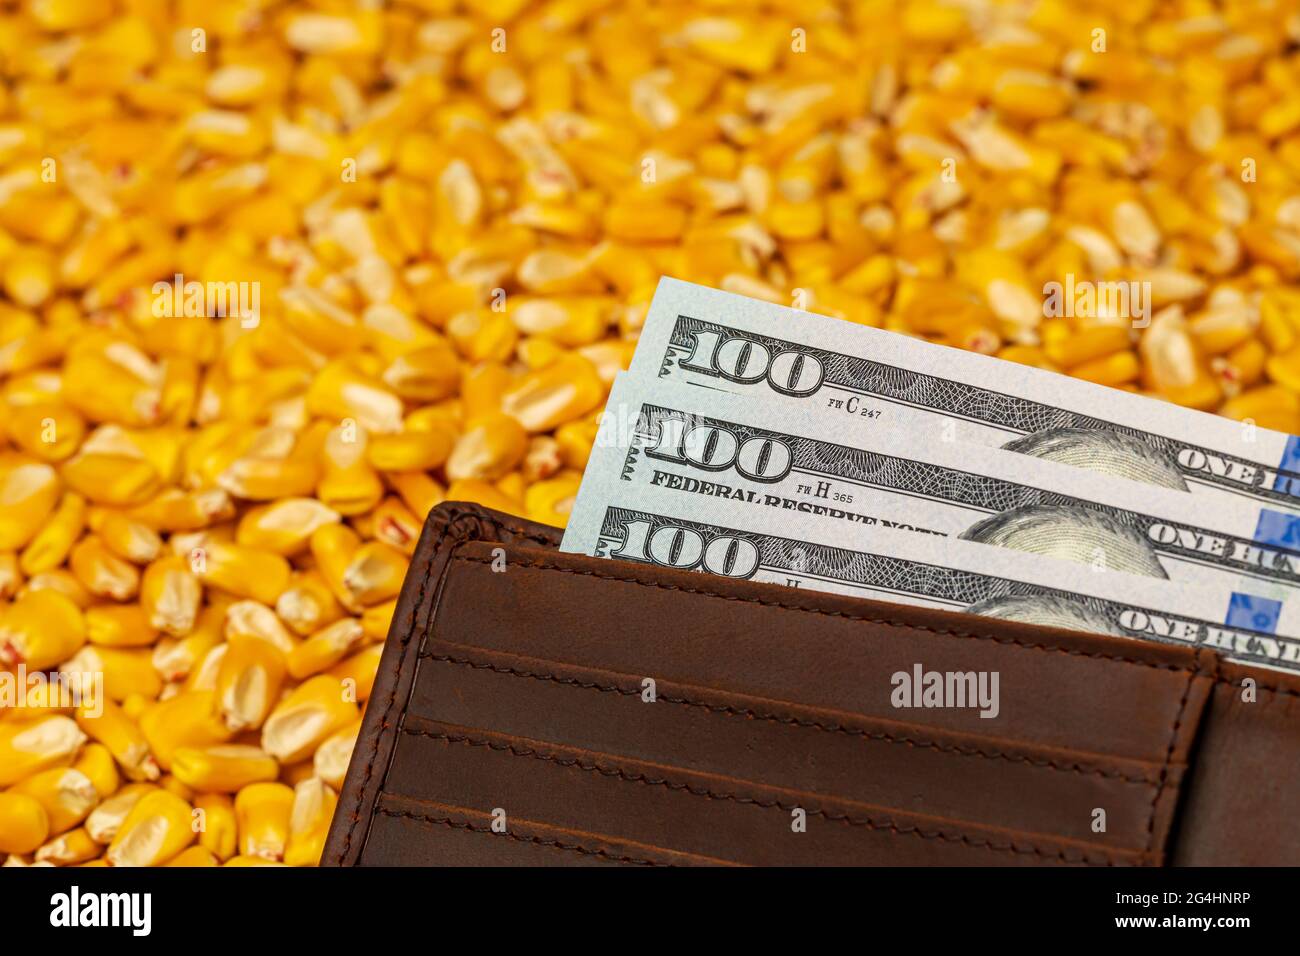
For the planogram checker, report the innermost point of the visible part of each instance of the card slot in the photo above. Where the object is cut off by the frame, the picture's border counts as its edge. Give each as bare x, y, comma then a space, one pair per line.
783, 745
1072, 691
745, 821
425, 832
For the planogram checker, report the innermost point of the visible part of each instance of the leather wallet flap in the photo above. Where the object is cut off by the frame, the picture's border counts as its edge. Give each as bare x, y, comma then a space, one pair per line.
540, 707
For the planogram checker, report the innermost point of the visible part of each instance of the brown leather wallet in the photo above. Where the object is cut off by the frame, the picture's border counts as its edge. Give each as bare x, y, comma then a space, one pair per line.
534, 707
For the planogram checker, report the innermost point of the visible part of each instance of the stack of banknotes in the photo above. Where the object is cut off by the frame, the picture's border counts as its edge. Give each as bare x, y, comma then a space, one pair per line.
760, 442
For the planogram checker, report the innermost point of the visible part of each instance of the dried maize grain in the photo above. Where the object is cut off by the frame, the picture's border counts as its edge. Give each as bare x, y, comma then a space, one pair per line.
23, 823
225, 768
66, 793
309, 822
106, 819
30, 747
40, 629
310, 713
263, 812
155, 830
124, 740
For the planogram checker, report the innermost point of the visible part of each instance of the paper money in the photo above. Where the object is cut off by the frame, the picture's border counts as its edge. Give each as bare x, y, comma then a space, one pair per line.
653, 526
840, 372
703, 443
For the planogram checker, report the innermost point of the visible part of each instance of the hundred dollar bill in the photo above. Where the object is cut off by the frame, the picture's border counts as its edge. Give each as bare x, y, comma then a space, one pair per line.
733, 539
708, 444
841, 371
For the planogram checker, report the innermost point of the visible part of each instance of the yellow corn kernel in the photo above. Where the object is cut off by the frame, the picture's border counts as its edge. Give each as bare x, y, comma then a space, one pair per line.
47, 430
97, 764
40, 700
549, 502
219, 830
225, 768
309, 822
119, 625
483, 387
29, 747
285, 526
106, 819
189, 719
491, 446
175, 510
325, 648
50, 546
172, 784
349, 484
130, 540
480, 492
28, 493
395, 525
243, 860
124, 670
244, 572
357, 672
558, 393
265, 479
263, 811
102, 572
176, 657
11, 577
250, 619
570, 322
426, 374
23, 823
641, 221
308, 604
483, 335
420, 492
332, 757
62, 581
1285, 369
72, 847
170, 595
312, 711
374, 573
248, 681
333, 547
339, 392
1088, 345
66, 793
156, 829
116, 480
40, 629
119, 733
194, 856
575, 441
421, 450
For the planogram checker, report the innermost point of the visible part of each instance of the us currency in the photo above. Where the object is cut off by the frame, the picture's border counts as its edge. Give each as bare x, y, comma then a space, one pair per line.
841, 372
706, 444
652, 526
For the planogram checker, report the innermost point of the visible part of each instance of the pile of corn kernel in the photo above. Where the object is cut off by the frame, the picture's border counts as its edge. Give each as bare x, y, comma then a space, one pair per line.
454, 215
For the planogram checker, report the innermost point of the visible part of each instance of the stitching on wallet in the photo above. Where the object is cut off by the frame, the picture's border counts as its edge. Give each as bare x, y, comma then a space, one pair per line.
790, 720
1164, 768
456, 537
640, 778
457, 533
542, 539
948, 632
519, 838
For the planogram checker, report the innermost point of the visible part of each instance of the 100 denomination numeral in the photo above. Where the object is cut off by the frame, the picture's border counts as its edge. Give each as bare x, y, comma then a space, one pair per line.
748, 362
715, 448
687, 549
